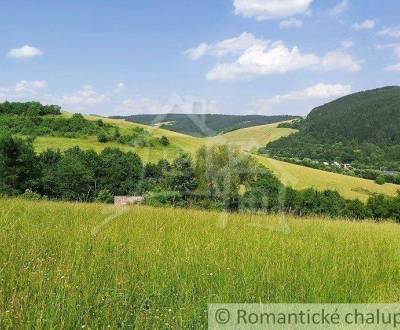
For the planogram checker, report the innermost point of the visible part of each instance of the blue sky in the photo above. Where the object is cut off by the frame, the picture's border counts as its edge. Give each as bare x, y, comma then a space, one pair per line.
225, 56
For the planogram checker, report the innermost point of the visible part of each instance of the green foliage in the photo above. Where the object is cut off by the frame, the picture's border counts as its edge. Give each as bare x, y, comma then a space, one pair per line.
202, 125
138, 137
31, 195
103, 137
220, 171
360, 129
19, 168
181, 176
164, 141
28, 109
163, 197
104, 196
380, 180
294, 124
222, 178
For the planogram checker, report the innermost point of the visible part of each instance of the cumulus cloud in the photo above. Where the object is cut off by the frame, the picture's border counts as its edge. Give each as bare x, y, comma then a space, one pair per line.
276, 59
339, 60
232, 46
393, 68
24, 52
22, 90
393, 32
256, 57
368, 24
291, 23
340, 8
270, 9
319, 91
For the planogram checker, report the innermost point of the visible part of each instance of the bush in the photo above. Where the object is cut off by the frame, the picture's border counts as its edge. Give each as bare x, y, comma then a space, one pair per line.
161, 198
164, 141
31, 195
103, 138
104, 196
380, 180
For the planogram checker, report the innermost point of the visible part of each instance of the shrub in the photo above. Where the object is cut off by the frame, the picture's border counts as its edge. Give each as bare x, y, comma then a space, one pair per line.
163, 198
164, 141
31, 195
380, 180
103, 138
104, 196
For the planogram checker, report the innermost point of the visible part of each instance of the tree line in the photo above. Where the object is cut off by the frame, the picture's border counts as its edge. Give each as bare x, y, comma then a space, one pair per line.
219, 178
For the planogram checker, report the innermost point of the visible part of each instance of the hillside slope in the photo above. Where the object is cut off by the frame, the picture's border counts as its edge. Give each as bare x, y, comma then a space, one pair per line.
361, 129
247, 139
302, 177
203, 125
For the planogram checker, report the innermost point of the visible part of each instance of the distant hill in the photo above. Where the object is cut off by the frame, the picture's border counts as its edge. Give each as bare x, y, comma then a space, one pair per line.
362, 129
202, 125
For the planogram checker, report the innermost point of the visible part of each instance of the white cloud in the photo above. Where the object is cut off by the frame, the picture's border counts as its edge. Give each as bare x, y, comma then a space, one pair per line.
368, 24
291, 23
347, 44
270, 9
339, 60
340, 8
24, 51
276, 59
319, 91
393, 68
22, 90
86, 96
232, 46
257, 57
393, 32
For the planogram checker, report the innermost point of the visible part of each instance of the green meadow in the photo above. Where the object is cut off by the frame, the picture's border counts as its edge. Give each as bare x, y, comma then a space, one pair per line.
246, 139
94, 266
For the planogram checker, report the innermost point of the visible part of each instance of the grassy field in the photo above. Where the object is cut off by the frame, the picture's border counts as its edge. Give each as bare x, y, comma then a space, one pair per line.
248, 139
251, 138
301, 177
65, 266
153, 154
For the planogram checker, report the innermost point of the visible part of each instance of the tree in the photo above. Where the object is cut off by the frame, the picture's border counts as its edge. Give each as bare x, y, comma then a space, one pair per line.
220, 172
181, 177
75, 181
19, 168
263, 193
119, 172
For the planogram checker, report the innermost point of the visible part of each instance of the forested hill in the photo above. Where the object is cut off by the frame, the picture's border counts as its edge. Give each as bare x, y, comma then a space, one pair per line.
362, 129
202, 125
370, 116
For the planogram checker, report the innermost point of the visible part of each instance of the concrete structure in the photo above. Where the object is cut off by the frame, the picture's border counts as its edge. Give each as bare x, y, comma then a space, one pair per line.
126, 200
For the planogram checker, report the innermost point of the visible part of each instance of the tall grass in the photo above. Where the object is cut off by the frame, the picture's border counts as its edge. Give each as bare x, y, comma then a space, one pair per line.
63, 265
